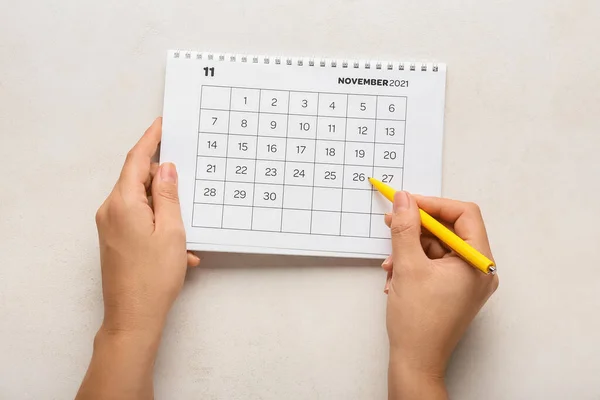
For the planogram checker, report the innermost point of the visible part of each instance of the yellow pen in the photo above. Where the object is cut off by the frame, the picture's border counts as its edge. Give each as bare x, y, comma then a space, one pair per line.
462, 248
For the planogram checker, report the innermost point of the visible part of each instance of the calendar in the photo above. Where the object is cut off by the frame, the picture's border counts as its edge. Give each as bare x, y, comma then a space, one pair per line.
274, 153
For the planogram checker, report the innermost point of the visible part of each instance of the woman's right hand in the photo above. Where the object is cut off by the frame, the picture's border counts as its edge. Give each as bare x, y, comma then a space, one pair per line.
433, 294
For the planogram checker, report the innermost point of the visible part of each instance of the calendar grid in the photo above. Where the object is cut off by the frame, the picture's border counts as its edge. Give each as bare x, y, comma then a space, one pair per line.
255, 169
287, 184
299, 162
197, 146
287, 130
351, 140
344, 166
303, 233
226, 154
373, 163
312, 200
309, 115
329, 140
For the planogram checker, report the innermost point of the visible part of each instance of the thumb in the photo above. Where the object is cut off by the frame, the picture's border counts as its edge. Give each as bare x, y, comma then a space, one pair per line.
406, 232
165, 198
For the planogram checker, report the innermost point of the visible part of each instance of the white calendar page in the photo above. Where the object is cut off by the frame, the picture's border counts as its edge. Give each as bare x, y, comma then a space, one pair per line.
273, 154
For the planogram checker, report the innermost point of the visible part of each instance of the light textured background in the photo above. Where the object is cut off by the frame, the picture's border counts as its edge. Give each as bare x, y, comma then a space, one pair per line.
81, 80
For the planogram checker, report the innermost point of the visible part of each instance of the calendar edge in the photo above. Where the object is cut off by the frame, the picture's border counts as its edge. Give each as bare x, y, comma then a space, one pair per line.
218, 248
412, 66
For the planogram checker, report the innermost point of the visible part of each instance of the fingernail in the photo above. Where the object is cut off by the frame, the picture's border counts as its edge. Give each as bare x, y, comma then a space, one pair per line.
401, 201
168, 173
386, 289
387, 261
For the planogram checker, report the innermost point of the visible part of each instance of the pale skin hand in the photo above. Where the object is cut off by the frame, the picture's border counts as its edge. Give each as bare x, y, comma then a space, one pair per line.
433, 295
144, 260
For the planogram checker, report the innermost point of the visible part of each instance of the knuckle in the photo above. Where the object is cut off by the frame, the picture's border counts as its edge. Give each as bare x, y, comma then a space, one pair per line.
401, 228
169, 194
100, 215
114, 209
131, 154
474, 207
495, 284
175, 232
179, 234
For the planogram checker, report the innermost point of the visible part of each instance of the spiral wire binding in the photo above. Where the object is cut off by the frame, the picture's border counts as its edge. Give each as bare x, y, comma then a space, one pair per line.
309, 61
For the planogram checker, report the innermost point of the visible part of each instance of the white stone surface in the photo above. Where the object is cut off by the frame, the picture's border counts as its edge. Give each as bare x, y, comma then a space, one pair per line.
81, 80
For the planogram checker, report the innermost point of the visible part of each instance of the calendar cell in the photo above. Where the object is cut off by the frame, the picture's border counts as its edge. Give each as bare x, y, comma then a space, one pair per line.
216, 98
330, 152
325, 223
271, 148
303, 103
327, 199
241, 147
296, 221
245, 99
268, 195
331, 128
274, 101
357, 177
269, 171
389, 155
391, 176
212, 145
379, 204
359, 153
272, 125
207, 215
358, 201
236, 217
332, 105
388, 131
210, 168
300, 150
240, 170
391, 108
329, 175
361, 106
243, 123
299, 174
214, 121
209, 192
302, 127
297, 197
266, 219
360, 130
355, 224
378, 228
239, 194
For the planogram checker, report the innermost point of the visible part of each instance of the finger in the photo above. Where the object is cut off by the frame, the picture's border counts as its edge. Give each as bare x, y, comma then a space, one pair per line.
386, 288
406, 232
387, 264
465, 218
165, 197
148, 183
432, 247
139, 159
192, 260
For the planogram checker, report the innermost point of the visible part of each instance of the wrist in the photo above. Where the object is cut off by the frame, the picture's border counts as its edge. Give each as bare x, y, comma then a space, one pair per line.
128, 342
408, 379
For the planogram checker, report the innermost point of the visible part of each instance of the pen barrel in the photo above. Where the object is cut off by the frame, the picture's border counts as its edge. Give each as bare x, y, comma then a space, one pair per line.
458, 245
